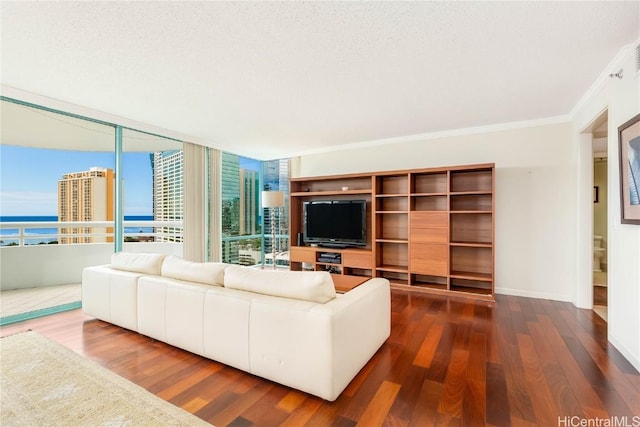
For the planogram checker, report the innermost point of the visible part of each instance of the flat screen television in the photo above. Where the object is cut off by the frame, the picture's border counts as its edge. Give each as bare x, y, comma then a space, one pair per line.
335, 223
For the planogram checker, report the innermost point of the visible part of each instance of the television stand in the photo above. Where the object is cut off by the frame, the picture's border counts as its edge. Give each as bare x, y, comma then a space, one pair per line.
347, 262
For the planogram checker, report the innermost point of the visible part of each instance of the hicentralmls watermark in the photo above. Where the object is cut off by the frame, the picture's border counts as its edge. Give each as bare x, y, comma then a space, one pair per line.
576, 421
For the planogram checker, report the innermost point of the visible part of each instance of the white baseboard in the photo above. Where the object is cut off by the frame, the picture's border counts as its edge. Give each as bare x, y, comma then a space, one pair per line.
626, 353
533, 294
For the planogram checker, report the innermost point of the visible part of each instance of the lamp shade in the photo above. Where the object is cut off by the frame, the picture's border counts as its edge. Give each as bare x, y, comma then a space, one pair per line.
272, 199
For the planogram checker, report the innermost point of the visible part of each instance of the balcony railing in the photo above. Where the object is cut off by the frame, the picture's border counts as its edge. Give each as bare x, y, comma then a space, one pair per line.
29, 260
44, 232
246, 254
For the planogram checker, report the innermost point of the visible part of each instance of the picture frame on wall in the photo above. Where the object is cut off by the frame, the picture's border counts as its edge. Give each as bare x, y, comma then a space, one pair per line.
629, 148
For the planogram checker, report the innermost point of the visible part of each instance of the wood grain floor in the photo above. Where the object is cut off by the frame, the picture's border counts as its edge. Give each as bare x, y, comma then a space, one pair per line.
599, 295
520, 362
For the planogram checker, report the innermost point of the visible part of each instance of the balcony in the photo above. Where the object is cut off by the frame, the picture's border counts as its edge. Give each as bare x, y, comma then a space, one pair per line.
28, 259
39, 276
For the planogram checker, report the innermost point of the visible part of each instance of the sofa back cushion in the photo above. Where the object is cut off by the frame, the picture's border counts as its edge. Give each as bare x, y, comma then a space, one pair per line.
208, 273
137, 262
314, 286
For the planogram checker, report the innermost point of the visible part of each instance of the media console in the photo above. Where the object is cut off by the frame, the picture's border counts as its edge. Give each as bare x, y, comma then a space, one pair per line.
354, 262
429, 230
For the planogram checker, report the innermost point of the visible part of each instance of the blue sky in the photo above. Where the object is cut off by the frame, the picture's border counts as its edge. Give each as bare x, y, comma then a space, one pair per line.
29, 178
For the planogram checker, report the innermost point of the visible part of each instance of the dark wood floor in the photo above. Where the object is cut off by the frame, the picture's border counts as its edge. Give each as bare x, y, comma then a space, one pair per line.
599, 295
519, 361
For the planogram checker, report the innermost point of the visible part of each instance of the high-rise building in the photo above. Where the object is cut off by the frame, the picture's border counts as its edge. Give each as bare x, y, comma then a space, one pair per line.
241, 204
168, 189
249, 186
230, 207
86, 196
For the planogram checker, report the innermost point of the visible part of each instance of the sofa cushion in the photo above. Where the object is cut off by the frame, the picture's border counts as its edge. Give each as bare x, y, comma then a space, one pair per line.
208, 273
145, 263
314, 286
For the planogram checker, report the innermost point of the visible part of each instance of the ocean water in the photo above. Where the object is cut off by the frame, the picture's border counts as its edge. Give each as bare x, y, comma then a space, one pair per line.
13, 231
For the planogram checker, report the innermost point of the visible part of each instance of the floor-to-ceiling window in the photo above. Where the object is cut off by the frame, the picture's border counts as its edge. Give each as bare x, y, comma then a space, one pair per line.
275, 177
244, 222
68, 181
54, 168
152, 169
241, 222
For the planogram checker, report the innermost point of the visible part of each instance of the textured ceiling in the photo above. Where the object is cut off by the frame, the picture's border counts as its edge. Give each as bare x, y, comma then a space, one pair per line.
272, 79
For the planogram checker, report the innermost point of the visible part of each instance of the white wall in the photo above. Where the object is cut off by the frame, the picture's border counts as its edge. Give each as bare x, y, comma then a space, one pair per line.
622, 100
47, 265
535, 196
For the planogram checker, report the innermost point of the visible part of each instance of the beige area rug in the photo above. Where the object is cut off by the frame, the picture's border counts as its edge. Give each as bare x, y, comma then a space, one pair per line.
46, 384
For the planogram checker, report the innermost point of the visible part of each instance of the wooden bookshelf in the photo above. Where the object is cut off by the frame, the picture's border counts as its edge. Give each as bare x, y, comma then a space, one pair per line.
428, 230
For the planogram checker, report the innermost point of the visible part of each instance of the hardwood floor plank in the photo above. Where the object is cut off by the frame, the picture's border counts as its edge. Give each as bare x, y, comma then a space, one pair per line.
235, 408
211, 388
520, 404
561, 390
554, 309
516, 316
493, 342
517, 422
291, 401
408, 397
474, 399
240, 422
380, 405
497, 396
356, 383
171, 387
601, 358
353, 408
454, 384
408, 348
474, 404
538, 335
518, 361
440, 362
304, 415
541, 397
194, 405
425, 412
477, 366
429, 346
265, 411
585, 395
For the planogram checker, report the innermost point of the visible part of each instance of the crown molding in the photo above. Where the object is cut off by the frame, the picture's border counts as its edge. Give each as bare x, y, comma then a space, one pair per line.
439, 135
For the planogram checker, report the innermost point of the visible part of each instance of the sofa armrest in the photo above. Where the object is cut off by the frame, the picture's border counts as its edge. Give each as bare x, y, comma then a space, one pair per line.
361, 323
111, 295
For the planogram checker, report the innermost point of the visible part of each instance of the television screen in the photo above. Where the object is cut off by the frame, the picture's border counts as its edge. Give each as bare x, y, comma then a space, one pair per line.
335, 223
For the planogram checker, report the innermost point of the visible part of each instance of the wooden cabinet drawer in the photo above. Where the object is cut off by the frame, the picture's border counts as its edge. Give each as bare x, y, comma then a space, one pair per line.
429, 219
431, 259
357, 259
430, 235
302, 254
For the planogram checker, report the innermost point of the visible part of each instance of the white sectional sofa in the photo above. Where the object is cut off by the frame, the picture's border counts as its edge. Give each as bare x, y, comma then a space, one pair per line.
286, 326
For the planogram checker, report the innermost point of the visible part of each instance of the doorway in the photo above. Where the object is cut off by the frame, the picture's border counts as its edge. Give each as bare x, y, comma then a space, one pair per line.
600, 215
